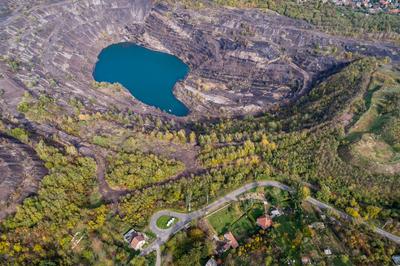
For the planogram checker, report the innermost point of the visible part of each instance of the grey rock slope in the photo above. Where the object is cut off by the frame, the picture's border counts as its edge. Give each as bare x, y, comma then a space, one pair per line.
242, 61
21, 170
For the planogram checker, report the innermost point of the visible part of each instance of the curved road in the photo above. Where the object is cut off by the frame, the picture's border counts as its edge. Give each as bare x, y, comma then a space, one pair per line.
185, 218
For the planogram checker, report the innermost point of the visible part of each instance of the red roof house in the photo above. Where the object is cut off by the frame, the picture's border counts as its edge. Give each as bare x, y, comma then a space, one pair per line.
137, 242
264, 222
231, 240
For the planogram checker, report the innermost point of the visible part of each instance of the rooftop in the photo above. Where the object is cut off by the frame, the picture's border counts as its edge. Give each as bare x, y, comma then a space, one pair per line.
264, 222
231, 240
137, 241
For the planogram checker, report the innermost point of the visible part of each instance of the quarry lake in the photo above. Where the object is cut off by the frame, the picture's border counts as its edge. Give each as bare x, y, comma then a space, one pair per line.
150, 76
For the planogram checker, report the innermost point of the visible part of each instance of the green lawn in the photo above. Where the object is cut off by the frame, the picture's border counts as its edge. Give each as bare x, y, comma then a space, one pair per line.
163, 221
374, 136
256, 211
222, 219
240, 221
243, 228
287, 229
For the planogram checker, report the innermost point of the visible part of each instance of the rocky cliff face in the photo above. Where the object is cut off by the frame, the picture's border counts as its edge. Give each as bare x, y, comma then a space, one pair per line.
242, 61
21, 170
56, 45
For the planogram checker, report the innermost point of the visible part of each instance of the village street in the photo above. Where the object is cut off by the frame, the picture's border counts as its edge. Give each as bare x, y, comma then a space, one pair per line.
185, 218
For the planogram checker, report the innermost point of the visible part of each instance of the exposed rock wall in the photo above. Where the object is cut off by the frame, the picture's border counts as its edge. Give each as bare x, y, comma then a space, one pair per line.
245, 61
21, 170
242, 61
60, 42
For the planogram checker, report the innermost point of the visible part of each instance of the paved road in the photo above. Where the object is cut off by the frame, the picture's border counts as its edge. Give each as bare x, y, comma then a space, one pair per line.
158, 252
344, 215
185, 218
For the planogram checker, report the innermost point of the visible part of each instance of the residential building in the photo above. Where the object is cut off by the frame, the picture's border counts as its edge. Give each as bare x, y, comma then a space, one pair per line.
231, 240
264, 221
305, 260
317, 225
138, 242
275, 213
135, 239
328, 251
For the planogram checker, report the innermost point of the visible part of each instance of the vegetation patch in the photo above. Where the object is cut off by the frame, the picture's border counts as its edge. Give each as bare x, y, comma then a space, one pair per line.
222, 219
191, 247
239, 218
374, 138
136, 170
165, 222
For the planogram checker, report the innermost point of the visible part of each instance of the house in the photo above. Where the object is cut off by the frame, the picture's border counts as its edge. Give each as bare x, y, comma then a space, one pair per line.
138, 242
135, 239
327, 251
396, 260
264, 222
230, 240
211, 262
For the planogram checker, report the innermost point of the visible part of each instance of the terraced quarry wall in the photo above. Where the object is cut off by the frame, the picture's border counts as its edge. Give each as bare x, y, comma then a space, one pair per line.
242, 61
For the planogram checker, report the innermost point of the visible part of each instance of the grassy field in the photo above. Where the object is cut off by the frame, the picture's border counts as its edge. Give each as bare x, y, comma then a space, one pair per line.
240, 219
162, 222
222, 219
374, 137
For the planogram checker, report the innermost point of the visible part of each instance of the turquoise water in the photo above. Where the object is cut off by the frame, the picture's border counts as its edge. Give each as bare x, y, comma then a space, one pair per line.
150, 76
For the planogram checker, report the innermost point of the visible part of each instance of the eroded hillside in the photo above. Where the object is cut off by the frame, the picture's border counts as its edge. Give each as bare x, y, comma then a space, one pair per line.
242, 61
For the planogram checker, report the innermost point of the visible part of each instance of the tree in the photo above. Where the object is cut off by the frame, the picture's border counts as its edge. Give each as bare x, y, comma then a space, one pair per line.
352, 212
324, 193
372, 212
268, 261
192, 137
